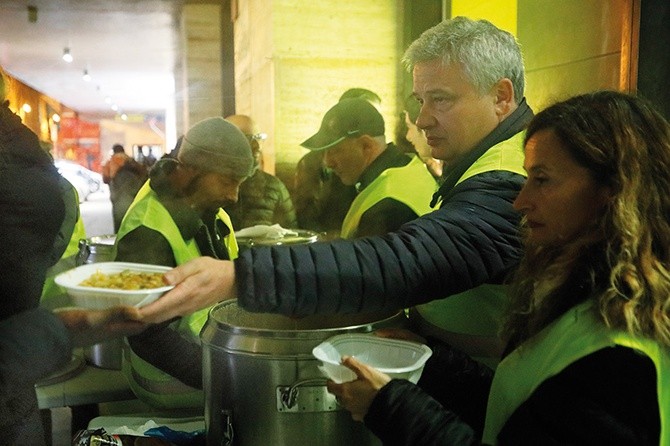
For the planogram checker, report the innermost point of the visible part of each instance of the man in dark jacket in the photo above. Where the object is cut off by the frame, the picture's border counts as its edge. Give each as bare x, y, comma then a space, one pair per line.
263, 198
391, 187
470, 85
125, 176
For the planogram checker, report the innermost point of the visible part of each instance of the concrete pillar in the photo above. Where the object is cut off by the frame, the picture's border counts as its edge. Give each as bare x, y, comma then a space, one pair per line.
293, 59
199, 72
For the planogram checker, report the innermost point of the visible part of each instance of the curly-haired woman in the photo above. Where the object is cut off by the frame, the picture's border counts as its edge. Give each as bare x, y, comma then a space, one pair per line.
588, 356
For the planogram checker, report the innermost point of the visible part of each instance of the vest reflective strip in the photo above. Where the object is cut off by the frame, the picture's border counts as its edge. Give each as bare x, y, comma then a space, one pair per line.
578, 333
411, 184
475, 314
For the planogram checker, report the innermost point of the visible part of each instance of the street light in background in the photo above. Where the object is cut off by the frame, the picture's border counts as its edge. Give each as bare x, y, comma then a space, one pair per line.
67, 57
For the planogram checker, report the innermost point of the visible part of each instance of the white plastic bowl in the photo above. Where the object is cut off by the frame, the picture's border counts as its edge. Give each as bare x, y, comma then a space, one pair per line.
101, 298
398, 359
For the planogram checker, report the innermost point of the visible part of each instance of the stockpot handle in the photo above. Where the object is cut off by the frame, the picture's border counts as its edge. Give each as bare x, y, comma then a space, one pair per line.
289, 395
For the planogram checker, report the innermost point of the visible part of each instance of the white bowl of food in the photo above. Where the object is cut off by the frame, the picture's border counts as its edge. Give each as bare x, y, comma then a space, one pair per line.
397, 358
108, 284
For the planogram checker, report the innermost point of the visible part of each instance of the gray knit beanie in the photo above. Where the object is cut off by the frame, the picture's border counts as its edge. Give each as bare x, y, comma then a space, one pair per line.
216, 145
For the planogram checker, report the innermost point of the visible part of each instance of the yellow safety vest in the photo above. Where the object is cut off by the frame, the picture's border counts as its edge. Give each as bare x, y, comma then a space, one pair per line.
411, 184
576, 334
149, 383
470, 320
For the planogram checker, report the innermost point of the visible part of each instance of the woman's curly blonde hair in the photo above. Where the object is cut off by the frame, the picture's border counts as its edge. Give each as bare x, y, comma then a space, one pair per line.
623, 260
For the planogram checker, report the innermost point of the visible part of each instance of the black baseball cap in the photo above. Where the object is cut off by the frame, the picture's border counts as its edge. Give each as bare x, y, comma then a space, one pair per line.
349, 118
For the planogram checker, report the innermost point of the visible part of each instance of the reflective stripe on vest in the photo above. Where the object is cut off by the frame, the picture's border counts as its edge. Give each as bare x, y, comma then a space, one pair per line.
411, 184
578, 333
148, 211
471, 319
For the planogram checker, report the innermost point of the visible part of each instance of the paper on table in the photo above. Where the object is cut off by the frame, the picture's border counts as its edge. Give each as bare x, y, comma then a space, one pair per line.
264, 231
137, 426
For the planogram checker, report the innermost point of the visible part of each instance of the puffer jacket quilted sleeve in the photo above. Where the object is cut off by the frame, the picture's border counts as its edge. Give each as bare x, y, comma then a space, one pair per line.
402, 414
472, 239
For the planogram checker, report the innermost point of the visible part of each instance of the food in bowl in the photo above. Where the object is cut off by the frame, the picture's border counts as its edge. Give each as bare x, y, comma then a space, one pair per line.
125, 280
99, 293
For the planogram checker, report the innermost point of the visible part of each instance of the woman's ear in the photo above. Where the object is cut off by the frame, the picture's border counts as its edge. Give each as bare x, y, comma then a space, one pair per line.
505, 102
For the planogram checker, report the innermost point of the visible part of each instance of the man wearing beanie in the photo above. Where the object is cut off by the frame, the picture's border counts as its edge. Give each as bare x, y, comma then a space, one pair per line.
391, 187
177, 216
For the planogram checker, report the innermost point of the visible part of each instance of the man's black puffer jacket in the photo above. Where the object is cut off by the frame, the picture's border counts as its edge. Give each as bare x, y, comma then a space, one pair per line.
472, 239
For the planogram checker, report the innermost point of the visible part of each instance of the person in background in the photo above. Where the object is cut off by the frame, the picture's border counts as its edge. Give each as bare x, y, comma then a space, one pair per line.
264, 199
321, 199
178, 216
469, 78
147, 157
125, 177
35, 342
391, 187
588, 330
412, 140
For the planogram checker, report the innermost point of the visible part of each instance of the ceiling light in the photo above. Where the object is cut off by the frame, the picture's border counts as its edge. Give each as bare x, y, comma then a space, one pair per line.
32, 14
124, 116
55, 117
67, 57
115, 107
27, 108
86, 77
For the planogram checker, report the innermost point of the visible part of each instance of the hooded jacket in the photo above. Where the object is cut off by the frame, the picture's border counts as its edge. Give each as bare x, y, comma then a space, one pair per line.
34, 342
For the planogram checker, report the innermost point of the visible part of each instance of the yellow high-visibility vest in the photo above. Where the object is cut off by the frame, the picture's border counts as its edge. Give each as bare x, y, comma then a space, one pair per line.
410, 184
578, 333
470, 320
149, 383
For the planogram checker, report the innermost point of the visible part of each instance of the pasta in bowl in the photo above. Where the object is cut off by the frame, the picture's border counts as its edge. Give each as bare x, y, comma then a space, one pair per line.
108, 284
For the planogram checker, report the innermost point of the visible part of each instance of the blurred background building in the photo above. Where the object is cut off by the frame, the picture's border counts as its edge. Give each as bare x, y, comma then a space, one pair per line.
155, 67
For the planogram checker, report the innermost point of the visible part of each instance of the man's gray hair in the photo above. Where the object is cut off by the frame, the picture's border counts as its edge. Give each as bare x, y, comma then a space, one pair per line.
486, 53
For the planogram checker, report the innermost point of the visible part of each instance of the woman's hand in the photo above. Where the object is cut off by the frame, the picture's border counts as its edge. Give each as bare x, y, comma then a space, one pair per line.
88, 327
199, 283
356, 396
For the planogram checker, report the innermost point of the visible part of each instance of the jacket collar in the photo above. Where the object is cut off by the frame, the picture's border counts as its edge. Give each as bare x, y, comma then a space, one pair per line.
390, 157
512, 125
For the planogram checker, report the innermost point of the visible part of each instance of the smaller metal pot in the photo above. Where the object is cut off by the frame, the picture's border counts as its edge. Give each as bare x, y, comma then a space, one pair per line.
106, 355
302, 236
96, 249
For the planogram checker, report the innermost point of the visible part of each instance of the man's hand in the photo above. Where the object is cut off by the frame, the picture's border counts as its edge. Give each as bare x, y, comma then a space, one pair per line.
88, 327
357, 395
200, 283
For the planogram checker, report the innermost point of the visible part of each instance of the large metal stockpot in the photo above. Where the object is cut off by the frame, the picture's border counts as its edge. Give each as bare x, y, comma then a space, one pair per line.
263, 386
